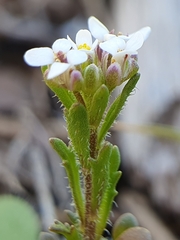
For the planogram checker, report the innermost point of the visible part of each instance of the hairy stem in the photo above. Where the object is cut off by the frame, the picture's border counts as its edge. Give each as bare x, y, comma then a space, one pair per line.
90, 218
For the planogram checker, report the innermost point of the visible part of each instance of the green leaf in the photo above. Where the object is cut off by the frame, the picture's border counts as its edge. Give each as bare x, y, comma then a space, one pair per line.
65, 96
135, 233
72, 170
98, 105
110, 192
18, 219
125, 221
73, 217
116, 107
69, 231
78, 129
100, 172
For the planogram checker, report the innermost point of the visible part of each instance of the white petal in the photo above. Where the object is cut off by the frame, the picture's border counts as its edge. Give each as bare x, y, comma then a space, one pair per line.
62, 45
108, 36
135, 42
97, 29
37, 57
109, 47
76, 57
83, 36
120, 43
72, 43
113, 45
124, 37
145, 32
56, 69
119, 57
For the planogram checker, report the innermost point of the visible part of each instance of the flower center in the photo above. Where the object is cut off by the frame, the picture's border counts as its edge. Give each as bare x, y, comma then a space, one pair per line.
84, 46
59, 57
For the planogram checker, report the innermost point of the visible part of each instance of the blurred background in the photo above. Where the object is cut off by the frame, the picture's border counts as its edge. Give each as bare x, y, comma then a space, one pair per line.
29, 114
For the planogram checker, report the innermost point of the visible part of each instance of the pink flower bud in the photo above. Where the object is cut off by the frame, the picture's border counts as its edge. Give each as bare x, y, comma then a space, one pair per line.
75, 81
113, 76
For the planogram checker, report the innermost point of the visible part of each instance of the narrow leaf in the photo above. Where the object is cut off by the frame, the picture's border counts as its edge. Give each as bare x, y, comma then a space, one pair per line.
100, 172
78, 129
116, 107
72, 170
110, 192
65, 96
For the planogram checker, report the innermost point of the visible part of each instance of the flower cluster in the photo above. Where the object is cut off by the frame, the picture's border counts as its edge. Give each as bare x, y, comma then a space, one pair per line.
82, 74
112, 56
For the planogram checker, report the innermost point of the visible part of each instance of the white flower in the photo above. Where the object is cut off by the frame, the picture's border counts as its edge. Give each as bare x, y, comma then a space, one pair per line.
83, 41
145, 31
98, 30
119, 47
60, 57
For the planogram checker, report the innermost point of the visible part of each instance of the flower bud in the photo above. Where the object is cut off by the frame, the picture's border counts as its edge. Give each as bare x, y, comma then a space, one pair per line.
75, 81
113, 76
130, 68
92, 78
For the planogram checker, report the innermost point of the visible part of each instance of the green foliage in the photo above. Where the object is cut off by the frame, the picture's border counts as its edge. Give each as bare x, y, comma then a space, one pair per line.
72, 170
110, 192
78, 129
116, 107
66, 97
69, 231
18, 219
100, 171
124, 222
98, 105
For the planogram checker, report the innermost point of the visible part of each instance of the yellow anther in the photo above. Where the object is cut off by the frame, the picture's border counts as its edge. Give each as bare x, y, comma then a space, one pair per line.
84, 46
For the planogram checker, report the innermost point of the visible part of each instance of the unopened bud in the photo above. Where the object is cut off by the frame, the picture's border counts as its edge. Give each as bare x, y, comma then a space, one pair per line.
92, 78
113, 76
130, 68
76, 81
